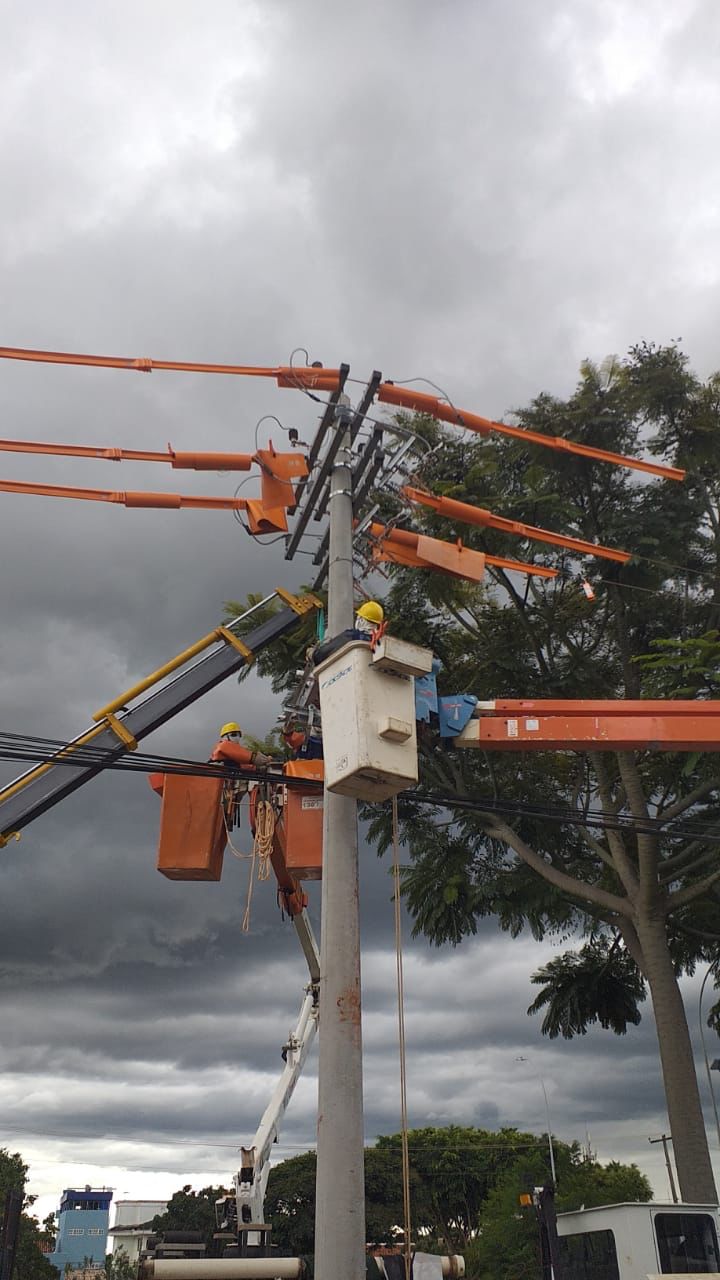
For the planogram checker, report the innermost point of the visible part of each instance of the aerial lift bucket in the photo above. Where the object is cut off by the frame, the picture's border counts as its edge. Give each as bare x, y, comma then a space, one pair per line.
192, 827
299, 831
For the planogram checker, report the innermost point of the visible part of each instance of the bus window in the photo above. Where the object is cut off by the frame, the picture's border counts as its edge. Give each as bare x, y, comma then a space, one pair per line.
686, 1242
589, 1255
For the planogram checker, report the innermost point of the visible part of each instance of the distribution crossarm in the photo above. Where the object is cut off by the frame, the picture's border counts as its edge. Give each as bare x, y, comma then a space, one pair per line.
467, 514
421, 402
315, 378
523, 724
120, 729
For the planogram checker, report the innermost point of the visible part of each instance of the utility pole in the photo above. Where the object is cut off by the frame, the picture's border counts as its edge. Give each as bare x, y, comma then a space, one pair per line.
340, 1208
665, 1139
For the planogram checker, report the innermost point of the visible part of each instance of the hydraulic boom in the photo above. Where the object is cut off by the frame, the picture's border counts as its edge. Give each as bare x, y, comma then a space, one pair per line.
119, 729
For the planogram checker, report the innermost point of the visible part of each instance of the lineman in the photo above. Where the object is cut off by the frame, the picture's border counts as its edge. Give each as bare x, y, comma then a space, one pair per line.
368, 618
229, 749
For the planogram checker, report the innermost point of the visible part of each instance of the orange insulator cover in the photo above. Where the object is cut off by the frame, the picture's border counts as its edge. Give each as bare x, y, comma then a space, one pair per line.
210, 461
317, 379
305, 769
192, 830
407, 399
276, 492
284, 466
130, 499
265, 520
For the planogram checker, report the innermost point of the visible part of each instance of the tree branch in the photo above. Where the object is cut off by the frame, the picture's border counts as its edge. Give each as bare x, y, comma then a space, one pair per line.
694, 866
698, 793
690, 893
598, 849
648, 848
675, 862
625, 870
560, 879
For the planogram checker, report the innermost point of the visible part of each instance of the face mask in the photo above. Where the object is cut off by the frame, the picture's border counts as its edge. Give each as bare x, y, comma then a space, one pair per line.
362, 624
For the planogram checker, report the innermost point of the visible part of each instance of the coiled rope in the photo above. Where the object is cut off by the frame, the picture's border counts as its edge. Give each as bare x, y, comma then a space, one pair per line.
262, 848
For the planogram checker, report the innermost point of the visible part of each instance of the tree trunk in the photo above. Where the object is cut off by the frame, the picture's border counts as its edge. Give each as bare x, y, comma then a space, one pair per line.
687, 1125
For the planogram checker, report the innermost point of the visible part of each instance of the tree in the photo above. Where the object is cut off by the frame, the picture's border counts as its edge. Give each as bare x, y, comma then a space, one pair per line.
645, 896
30, 1262
507, 1244
118, 1266
454, 1174
290, 1204
190, 1210
645, 893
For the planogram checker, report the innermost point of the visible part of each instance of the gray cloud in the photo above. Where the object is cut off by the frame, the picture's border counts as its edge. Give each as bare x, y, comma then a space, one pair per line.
481, 195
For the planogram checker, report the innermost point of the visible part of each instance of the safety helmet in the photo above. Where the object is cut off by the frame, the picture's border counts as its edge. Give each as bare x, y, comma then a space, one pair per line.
231, 727
371, 611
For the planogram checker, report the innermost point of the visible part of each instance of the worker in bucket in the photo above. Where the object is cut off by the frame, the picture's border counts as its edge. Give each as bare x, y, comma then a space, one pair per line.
369, 618
229, 750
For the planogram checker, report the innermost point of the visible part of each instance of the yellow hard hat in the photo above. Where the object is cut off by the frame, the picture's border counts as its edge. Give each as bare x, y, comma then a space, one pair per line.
230, 727
371, 611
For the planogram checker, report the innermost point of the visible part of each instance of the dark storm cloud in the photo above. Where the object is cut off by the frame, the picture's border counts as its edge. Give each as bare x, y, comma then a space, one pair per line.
481, 195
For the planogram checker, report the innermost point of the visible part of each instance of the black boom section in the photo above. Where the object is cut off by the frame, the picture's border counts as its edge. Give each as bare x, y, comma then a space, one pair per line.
45, 785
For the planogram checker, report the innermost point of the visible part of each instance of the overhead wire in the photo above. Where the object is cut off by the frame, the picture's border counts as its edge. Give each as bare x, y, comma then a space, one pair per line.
20, 747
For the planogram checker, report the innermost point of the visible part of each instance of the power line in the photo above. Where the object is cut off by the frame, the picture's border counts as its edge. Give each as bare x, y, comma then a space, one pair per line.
45, 750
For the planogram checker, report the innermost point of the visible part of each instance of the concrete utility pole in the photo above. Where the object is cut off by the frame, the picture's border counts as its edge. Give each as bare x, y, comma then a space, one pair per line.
340, 1210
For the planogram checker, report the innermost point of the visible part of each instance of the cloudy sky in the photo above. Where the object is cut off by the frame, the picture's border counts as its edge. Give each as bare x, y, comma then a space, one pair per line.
478, 193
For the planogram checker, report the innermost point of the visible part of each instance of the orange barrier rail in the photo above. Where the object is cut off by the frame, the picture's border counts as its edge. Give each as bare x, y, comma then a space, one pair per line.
467, 514
423, 403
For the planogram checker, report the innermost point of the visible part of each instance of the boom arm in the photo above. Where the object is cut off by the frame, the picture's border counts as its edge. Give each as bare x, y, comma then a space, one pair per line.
45, 785
250, 1182
527, 724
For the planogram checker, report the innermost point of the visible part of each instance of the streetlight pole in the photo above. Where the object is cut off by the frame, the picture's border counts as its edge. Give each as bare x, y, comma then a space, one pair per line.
549, 1133
547, 1122
665, 1139
704, 1048
340, 1185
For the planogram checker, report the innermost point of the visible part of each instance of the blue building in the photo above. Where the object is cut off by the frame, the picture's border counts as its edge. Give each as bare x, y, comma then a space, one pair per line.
83, 1221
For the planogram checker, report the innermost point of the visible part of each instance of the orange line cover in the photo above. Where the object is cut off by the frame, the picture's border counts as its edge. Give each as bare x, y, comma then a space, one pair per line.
467, 514
421, 402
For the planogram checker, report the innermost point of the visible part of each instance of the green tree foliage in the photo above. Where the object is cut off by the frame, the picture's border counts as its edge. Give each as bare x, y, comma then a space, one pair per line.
30, 1262
460, 1178
290, 1204
190, 1210
598, 983
507, 1244
646, 899
118, 1266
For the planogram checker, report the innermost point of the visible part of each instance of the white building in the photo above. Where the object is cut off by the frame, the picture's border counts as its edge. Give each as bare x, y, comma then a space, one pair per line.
133, 1225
